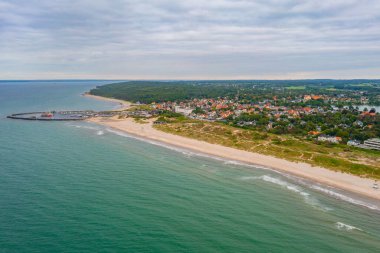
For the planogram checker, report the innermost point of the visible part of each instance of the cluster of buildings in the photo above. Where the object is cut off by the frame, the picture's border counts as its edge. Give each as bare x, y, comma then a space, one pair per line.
222, 108
373, 143
356, 98
139, 113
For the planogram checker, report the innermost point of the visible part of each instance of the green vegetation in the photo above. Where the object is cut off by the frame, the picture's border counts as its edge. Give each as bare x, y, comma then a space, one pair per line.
148, 92
346, 124
170, 117
140, 108
296, 87
337, 157
140, 120
250, 90
278, 118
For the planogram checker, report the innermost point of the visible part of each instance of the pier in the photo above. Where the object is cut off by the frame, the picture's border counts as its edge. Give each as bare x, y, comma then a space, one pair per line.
60, 115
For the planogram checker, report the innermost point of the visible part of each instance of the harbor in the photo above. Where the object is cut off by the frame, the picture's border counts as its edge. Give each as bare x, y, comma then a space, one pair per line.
60, 115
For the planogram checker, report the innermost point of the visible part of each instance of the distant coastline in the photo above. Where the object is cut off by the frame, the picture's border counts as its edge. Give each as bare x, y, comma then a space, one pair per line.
347, 182
122, 104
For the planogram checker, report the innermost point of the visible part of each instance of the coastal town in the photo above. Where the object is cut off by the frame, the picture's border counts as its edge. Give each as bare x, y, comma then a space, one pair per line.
335, 130
345, 124
335, 119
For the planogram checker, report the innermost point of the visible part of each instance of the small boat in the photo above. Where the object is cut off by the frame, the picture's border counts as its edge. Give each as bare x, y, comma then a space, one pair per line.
375, 186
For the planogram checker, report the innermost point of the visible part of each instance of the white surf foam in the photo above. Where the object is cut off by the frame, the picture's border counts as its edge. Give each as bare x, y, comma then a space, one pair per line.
345, 198
284, 184
249, 178
293, 188
230, 162
346, 227
234, 162
83, 126
97, 130
267, 178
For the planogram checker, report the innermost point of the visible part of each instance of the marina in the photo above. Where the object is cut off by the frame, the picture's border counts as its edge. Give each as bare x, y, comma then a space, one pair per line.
60, 115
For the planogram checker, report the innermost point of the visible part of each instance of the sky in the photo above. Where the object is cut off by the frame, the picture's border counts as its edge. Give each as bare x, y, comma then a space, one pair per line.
189, 39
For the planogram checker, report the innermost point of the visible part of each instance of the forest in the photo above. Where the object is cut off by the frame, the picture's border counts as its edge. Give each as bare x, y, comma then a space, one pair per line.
250, 90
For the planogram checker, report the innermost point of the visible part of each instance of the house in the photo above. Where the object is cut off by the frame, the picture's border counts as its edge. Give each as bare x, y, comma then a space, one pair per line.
246, 123
353, 143
331, 139
306, 98
183, 110
358, 123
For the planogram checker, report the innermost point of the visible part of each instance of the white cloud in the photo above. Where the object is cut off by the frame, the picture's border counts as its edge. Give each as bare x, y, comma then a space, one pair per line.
190, 38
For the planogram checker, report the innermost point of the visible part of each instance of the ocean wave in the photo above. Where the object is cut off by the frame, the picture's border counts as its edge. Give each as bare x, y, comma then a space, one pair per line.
346, 227
84, 127
98, 131
250, 178
345, 198
284, 184
293, 188
231, 162
254, 166
267, 178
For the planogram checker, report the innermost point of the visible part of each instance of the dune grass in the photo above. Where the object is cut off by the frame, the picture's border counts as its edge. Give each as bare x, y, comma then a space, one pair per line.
336, 157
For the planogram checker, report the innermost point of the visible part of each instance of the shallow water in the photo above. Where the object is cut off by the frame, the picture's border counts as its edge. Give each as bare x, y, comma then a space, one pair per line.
80, 187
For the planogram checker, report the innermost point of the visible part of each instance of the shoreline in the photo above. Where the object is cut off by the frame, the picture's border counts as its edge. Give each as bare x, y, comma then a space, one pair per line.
122, 104
342, 181
339, 180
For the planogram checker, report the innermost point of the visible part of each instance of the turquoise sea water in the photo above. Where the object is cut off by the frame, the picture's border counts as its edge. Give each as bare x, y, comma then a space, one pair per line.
79, 187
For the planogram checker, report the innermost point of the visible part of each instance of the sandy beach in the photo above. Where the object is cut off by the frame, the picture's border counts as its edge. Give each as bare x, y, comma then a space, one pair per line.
122, 104
343, 181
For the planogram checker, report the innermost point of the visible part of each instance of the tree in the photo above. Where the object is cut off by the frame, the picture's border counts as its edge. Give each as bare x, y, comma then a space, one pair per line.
198, 110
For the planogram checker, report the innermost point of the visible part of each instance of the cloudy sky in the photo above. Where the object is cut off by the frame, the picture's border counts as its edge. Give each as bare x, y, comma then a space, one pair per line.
189, 39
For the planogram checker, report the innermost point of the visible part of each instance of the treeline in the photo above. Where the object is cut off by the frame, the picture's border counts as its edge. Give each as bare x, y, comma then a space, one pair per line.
149, 91
250, 91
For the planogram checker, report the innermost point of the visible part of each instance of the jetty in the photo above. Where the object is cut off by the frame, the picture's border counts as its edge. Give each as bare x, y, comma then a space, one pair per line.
61, 115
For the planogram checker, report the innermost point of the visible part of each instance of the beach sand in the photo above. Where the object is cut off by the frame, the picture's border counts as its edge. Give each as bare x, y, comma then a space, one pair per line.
344, 181
123, 105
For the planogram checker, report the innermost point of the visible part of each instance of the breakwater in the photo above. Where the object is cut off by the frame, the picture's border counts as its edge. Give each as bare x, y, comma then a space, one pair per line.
54, 116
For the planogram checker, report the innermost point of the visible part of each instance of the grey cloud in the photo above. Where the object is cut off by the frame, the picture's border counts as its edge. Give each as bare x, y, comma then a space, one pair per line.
190, 38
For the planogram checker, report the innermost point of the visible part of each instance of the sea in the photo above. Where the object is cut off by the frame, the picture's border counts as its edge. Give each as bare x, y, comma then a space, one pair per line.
81, 187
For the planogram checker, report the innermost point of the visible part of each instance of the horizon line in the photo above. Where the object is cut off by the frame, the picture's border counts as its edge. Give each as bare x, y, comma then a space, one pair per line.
163, 80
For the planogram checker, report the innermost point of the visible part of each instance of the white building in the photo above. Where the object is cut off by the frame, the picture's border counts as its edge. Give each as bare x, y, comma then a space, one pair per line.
327, 138
353, 143
183, 110
373, 143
